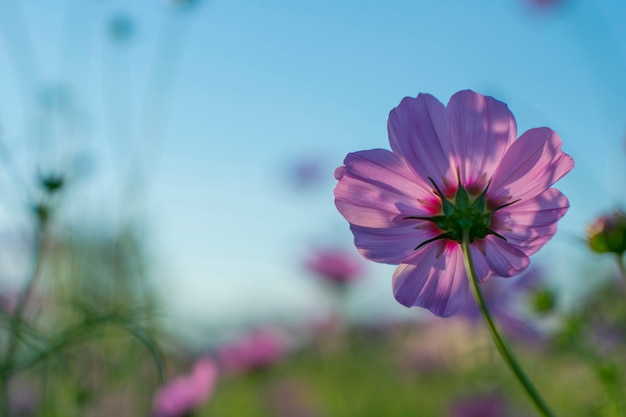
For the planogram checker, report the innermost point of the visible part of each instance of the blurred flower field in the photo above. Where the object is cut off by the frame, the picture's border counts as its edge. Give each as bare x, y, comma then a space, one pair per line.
92, 344
428, 369
107, 357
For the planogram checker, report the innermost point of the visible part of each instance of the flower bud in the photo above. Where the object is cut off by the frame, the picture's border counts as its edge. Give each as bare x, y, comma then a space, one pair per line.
51, 183
543, 301
608, 233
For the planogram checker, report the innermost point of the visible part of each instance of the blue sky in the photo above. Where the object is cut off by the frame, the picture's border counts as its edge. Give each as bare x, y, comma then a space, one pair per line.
213, 103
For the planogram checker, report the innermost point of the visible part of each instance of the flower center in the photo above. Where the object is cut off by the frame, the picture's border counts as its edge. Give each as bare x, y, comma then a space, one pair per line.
462, 213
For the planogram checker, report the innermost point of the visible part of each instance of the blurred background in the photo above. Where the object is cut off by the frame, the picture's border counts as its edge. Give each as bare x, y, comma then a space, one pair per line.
197, 141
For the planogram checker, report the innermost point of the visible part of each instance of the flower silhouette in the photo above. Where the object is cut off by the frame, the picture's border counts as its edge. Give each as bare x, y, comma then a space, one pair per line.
453, 172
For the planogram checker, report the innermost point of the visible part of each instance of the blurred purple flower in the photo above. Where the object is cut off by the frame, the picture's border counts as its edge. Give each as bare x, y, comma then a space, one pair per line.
186, 393
23, 399
450, 169
337, 266
256, 350
292, 398
8, 302
606, 337
181, 3
504, 299
307, 173
543, 4
492, 405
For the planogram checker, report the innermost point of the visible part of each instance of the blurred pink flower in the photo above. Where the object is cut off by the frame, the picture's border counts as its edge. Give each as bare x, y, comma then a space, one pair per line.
256, 350
292, 397
186, 393
606, 337
480, 406
8, 302
452, 169
336, 266
307, 173
24, 400
542, 4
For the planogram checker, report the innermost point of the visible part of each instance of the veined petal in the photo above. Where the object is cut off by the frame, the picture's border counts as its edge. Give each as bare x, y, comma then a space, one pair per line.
435, 279
482, 129
531, 165
419, 131
392, 245
377, 189
530, 224
504, 258
481, 267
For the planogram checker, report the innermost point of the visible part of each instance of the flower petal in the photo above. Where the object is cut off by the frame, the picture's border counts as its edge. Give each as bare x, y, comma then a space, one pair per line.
531, 165
418, 131
503, 258
435, 279
481, 267
392, 245
482, 129
377, 189
530, 224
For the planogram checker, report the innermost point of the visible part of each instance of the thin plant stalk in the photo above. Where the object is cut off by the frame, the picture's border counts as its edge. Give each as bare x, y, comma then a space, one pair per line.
6, 367
621, 266
505, 352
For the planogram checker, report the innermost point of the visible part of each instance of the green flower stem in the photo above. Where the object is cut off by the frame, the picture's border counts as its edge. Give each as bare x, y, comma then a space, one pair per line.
501, 345
621, 266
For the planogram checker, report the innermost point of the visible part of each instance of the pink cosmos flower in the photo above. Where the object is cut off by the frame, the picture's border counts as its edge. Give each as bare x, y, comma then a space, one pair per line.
450, 169
186, 393
255, 350
337, 266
